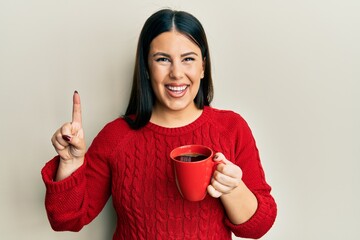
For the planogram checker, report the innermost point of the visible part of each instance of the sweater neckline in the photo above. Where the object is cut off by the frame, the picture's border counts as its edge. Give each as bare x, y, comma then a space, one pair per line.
204, 117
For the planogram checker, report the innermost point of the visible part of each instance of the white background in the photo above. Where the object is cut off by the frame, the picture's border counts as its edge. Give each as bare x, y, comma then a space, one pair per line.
291, 68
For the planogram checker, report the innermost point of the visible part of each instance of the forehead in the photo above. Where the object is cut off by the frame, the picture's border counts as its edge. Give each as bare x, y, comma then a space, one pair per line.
173, 42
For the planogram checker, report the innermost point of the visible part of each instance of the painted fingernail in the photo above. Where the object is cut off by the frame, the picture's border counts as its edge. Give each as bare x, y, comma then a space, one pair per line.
216, 157
66, 138
76, 92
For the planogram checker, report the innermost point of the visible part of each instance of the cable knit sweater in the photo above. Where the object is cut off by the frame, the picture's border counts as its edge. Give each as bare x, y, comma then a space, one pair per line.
134, 167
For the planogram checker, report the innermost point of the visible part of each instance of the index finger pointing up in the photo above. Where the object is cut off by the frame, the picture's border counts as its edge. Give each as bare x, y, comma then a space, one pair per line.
76, 115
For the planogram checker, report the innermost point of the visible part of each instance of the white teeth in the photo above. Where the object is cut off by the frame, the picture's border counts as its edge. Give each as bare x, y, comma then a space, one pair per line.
177, 89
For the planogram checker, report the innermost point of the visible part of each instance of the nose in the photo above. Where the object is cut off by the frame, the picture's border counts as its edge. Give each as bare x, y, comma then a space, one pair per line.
176, 71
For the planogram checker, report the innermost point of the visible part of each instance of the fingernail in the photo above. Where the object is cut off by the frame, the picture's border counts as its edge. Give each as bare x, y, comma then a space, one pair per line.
216, 157
66, 138
76, 92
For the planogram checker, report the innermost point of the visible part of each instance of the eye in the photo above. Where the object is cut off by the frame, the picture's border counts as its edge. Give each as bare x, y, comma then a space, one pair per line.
188, 59
162, 59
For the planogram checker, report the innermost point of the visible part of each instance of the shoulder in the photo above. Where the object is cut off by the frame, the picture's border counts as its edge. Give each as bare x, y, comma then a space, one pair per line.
117, 124
115, 128
230, 123
113, 133
226, 117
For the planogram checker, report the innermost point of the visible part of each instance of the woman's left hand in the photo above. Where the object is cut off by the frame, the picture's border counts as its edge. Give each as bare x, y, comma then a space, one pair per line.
226, 177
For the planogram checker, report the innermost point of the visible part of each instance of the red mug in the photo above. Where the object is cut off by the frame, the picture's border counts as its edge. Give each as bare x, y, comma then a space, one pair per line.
193, 168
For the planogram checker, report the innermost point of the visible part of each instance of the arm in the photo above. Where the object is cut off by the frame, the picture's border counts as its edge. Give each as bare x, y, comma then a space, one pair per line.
77, 186
75, 201
239, 202
69, 143
241, 186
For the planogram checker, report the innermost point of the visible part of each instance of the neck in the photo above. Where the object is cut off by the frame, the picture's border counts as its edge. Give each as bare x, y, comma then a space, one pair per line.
175, 118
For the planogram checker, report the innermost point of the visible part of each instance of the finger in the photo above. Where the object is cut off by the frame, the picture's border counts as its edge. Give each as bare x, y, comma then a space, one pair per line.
213, 192
78, 140
76, 114
66, 131
226, 180
58, 143
70, 134
228, 167
57, 146
219, 157
232, 171
220, 187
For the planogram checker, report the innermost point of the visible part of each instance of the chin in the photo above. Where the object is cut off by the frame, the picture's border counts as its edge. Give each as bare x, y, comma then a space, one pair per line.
181, 107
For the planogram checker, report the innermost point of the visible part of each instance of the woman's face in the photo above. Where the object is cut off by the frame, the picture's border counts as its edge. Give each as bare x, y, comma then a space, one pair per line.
176, 69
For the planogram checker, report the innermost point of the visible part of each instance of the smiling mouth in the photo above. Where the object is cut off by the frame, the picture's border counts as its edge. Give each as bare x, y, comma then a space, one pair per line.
177, 89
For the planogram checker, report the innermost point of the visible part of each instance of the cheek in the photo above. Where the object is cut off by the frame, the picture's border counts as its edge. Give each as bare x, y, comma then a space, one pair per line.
156, 78
157, 73
196, 71
195, 74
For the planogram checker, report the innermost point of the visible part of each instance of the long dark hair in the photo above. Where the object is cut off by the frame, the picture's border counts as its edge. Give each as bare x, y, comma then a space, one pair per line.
142, 98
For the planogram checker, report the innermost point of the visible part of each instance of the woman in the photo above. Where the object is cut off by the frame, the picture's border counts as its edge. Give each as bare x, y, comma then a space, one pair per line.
129, 159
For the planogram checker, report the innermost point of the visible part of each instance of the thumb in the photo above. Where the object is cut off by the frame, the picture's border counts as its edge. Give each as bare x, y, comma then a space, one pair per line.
78, 140
219, 157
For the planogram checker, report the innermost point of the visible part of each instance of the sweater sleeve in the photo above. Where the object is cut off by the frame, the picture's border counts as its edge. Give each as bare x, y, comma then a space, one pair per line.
247, 158
77, 200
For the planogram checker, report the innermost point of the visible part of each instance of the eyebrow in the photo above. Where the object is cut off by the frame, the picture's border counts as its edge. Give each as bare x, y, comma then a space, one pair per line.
168, 55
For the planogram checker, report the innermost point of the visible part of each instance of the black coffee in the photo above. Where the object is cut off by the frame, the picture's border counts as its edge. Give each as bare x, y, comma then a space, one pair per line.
194, 157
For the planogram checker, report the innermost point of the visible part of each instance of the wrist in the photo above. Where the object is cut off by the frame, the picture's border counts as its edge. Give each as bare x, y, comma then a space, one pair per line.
67, 167
240, 204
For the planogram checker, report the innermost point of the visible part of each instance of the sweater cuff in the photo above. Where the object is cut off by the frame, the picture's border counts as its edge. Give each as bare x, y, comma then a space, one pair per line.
258, 224
49, 172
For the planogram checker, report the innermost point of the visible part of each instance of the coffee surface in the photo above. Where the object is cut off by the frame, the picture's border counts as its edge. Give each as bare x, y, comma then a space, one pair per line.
194, 157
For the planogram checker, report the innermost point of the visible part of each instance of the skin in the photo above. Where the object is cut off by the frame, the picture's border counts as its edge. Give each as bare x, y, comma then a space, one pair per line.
69, 143
176, 68
239, 202
175, 63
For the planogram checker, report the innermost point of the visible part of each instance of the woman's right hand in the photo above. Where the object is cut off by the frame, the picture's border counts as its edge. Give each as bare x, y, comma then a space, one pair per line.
69, 142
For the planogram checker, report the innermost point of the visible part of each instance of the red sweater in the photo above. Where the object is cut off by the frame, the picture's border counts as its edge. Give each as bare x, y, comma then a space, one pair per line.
134, 167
